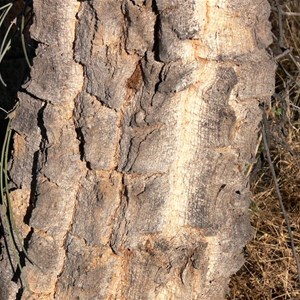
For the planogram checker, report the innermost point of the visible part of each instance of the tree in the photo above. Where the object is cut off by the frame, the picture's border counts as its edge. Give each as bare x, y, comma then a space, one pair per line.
130, 147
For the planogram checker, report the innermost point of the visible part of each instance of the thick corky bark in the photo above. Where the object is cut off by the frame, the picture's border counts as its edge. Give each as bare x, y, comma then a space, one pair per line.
131, 143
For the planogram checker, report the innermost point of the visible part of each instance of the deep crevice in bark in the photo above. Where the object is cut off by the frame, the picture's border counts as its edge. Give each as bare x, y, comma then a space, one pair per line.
156, 36
118, 232
160, 76
25, 91
19, 293
80, 138
41, 125
33, 189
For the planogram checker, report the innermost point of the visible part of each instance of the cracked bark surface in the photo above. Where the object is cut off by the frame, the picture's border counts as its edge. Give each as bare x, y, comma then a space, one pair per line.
130, 146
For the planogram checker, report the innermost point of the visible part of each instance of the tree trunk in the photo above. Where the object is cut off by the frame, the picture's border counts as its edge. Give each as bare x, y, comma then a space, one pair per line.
130, 147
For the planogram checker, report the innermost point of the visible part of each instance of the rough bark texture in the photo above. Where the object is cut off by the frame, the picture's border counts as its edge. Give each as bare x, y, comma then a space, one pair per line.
130, 146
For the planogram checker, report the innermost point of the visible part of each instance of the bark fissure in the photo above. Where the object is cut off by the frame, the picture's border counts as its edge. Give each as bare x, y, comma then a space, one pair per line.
80, 138
120, 227
156, 34
44, 138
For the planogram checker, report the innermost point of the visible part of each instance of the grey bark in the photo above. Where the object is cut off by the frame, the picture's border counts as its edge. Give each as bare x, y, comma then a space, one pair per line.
131, 143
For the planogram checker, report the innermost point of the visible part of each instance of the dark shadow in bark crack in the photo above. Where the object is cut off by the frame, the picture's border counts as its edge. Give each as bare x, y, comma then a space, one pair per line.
32, 198
156, 31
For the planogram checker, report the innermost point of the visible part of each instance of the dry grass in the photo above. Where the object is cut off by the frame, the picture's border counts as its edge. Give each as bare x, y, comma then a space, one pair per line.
270, 271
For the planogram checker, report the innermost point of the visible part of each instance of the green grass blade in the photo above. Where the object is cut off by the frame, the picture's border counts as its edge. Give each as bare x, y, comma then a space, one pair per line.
2, 52
6, 8
2, 81
23, 41
14, 230
4, 49
4, 110
4, 215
